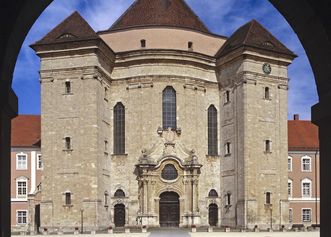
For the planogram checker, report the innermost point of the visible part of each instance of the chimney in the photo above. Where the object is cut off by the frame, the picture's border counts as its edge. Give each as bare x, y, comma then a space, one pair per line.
296, 117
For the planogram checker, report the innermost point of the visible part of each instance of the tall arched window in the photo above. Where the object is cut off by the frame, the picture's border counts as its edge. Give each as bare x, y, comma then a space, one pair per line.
169, 108
119, 129
212, 130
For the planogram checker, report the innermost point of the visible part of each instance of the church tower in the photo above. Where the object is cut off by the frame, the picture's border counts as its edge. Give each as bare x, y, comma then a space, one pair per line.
252, 73
75, 78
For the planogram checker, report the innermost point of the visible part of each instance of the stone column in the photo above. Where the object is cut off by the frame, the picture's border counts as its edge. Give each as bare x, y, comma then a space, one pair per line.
145, 195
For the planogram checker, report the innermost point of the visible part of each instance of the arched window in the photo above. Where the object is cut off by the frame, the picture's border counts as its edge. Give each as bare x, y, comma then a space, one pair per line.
169, 172
266, 93
169, 108
119, 193
212, 193
119, 129
212, 130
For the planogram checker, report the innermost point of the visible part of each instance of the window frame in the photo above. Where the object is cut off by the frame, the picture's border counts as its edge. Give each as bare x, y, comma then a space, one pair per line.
268, 198
302, 163
21, 179
67, 143
267, 146
303, 215
26, 217
212, 127
67, 198
290, 215
119, 129
40, 161
21, 154
289, 158
227, 149
169, 108
306, 181
290, 189
227, 98
266, 93
68, 87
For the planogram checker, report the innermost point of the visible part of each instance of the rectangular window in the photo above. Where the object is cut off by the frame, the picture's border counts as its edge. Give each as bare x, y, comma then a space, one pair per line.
143, 43
306, 164
21, 217
306, 215
289, 164
67, 87
21, 162
306, 189
290, 215
68, 198
266, 93
21, 189
227, 148
267, 146
226, 97
190, 45
228, 199
106, 94
106, 145
268, 198
289, 189
67, 145
39, 162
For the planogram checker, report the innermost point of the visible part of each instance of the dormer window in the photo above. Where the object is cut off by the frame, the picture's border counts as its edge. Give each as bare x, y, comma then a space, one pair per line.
143, 43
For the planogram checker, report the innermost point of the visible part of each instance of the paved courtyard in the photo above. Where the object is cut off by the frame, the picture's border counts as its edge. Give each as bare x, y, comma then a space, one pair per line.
183, 233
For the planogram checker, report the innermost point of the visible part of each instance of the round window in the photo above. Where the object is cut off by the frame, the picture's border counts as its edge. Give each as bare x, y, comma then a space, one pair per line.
169, 172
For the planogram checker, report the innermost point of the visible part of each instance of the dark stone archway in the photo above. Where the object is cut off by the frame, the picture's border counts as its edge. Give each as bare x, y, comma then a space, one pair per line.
310, 19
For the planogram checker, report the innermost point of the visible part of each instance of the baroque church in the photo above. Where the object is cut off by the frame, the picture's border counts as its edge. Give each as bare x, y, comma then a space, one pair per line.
157, 121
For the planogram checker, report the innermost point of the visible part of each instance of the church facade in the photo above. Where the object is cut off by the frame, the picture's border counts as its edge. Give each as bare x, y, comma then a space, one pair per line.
159, 122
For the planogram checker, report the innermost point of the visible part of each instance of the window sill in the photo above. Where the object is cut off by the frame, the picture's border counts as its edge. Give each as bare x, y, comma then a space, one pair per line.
212, 156
68, 150
226, 103
227, 155
21, 168
67, 93
267, 152
119, 155
68, 205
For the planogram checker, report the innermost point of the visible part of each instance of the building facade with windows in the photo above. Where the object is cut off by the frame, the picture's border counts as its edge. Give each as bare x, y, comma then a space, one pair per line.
26, 168
303, 175
159, 122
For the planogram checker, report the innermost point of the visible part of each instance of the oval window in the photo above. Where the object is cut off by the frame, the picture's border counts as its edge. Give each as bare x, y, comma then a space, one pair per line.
169, 172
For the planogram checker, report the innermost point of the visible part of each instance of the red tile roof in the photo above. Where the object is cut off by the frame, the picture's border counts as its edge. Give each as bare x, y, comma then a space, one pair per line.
253, 34
172, 13
26, 131
302, 135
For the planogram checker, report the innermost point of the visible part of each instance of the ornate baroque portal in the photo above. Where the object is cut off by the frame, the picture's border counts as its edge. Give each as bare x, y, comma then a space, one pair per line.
168, 179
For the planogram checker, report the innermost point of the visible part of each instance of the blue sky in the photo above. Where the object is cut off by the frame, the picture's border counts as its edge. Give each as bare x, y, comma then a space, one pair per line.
221, 17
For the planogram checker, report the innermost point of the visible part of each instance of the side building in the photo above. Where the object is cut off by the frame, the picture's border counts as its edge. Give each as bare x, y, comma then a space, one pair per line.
26, 168
303, 173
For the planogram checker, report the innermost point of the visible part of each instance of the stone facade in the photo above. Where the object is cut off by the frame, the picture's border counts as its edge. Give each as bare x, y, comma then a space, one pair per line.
80, 178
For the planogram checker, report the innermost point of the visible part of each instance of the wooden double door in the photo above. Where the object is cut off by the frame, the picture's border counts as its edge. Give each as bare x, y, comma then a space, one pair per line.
119, 215
169, 209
